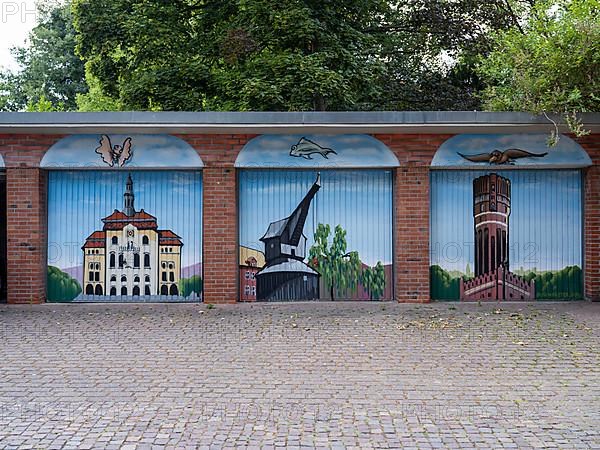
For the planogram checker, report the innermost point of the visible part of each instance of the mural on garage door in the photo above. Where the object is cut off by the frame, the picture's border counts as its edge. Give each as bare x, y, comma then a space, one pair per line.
130, 233
508, 226
315, 218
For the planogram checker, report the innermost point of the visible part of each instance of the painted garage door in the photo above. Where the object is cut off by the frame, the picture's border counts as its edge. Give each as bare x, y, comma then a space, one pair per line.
506, 219
315, 218
124, 230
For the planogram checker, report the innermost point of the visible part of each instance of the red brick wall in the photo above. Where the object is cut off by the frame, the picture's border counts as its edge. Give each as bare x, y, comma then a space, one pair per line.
220, 228
591, 237
26, 216
411, 202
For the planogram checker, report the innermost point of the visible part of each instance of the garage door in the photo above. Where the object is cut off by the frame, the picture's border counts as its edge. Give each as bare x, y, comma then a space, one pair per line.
130, 231
315, 218
506, 219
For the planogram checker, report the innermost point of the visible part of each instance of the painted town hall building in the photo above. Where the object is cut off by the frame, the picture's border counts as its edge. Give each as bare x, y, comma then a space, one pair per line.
131, 256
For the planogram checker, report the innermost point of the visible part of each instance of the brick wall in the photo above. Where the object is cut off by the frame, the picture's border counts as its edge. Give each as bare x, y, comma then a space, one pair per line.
411, 201
26, 222
26, 216
591, 225
220, 227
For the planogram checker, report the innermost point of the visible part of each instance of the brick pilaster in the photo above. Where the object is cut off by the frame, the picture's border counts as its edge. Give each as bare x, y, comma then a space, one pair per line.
591, 239
411, 217
220, 227
26, 216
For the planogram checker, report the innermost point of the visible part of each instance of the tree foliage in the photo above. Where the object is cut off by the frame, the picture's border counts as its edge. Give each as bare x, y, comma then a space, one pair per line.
188, 286
442, 285
373, 280
339, 268
61, 286
564, 284
49, 72
552, 66
289, 54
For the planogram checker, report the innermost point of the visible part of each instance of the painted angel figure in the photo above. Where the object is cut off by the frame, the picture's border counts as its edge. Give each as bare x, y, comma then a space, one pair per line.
115, 154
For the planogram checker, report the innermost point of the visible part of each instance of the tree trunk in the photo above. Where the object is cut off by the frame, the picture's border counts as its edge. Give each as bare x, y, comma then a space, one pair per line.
331, 293
319, 103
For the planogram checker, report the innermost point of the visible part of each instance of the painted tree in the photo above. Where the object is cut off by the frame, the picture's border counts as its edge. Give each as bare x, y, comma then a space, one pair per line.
339, 268
373, 280
61, 286
468, 272
187, 286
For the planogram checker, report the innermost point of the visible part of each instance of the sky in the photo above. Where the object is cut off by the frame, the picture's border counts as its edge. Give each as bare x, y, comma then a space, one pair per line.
78, 200
148, 150
360, 201
17, 18
566, 153
544, 226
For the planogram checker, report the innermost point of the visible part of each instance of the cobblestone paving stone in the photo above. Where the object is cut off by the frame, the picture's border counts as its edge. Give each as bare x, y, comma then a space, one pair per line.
304, 375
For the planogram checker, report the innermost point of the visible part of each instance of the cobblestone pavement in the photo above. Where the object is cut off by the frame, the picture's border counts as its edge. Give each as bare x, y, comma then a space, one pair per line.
326, 375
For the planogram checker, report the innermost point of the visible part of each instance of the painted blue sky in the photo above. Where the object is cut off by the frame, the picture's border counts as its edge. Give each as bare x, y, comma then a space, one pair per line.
149, 151
360, 201
566, 154
353, 151
78, 200
544, 226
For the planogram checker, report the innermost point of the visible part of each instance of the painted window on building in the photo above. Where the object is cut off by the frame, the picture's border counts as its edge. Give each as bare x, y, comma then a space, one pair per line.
506, 219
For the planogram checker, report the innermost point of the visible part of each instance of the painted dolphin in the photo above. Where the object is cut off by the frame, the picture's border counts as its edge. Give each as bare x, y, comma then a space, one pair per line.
305, 147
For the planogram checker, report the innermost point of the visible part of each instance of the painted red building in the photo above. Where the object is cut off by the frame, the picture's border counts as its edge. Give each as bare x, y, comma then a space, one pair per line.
493, 279
251, 261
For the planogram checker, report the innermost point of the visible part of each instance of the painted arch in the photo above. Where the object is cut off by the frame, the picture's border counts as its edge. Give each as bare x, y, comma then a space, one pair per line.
509, 151
115, 151
348, 151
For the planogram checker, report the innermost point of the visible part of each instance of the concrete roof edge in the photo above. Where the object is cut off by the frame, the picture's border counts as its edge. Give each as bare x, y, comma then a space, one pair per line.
278, 122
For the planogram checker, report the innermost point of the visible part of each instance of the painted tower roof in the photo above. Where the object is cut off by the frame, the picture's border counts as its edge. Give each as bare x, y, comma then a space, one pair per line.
167, 237
95, 240
140, 219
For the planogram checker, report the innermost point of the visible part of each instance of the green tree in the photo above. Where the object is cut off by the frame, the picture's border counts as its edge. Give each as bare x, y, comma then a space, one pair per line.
468, 273
373, 280
95, 99
61, 287
49, 71
550, 65
339, 268
242, 55
288, 55
442, 285
432, 47
187, 286
564, 284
